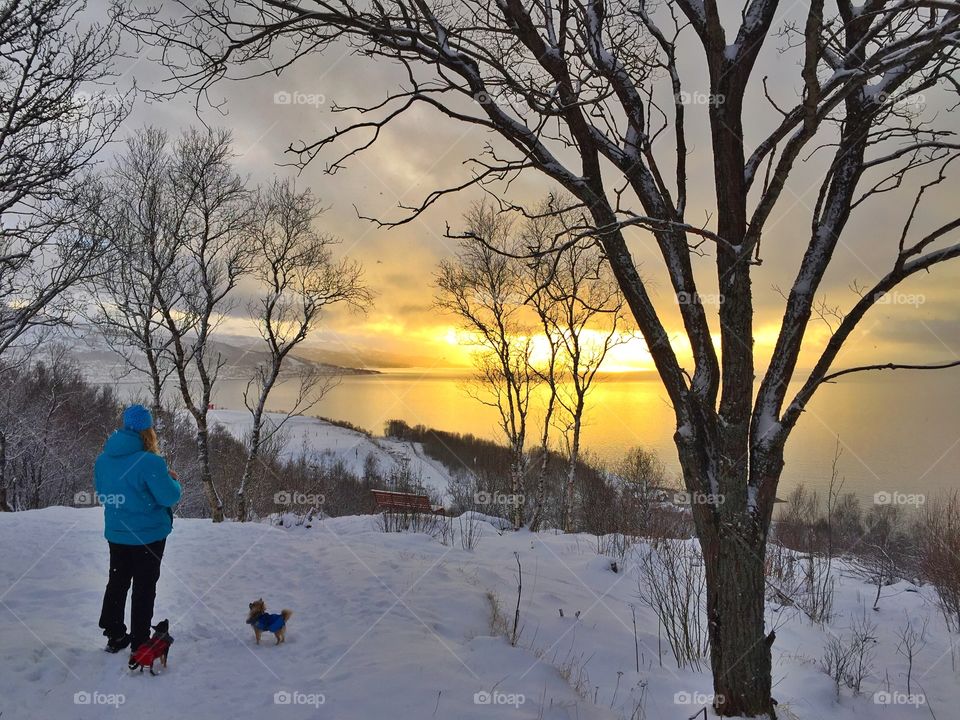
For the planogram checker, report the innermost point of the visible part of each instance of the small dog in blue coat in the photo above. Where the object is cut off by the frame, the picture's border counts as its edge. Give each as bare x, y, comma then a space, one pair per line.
263, 621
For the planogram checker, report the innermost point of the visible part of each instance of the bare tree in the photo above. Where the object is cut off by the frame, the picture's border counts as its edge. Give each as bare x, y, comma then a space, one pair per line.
535, 232
588, 315
938, 531
591, 95
142, 215
912, 642
877, 556
583, 317
51, 128
214, 242
483, 288
301, 280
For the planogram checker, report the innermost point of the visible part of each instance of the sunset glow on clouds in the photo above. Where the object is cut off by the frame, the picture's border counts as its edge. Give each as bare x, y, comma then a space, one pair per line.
424, 151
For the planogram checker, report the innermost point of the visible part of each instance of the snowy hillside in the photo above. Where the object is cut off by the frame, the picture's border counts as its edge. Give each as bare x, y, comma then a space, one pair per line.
322, 440
397, 626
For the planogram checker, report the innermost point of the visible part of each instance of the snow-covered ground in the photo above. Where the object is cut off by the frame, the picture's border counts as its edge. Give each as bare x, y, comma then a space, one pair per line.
320, 439
397, 626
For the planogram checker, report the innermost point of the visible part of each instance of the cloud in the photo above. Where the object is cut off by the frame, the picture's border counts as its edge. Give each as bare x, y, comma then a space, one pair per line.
424, 151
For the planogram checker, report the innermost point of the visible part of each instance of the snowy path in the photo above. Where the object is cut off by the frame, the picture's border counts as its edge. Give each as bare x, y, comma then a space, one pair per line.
391, 626
398, 633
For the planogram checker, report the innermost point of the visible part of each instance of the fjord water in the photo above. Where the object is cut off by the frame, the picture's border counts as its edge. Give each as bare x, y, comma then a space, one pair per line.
899, 432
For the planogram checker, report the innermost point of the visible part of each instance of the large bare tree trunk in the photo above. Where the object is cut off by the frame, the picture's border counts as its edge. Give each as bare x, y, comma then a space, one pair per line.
739, 648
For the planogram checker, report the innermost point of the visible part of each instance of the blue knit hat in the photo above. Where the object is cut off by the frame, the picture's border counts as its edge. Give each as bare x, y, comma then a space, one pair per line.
137, 418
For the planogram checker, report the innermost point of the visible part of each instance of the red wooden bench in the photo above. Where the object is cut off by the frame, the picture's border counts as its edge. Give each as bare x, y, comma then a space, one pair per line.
404, 502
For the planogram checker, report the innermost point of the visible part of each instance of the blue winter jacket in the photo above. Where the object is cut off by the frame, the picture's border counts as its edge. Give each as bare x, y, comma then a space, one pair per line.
136, 490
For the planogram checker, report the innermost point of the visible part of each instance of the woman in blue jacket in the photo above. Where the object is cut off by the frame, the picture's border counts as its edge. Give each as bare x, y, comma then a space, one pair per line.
138, 493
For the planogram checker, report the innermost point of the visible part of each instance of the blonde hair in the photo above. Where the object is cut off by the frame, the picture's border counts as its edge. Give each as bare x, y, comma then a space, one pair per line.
150, 443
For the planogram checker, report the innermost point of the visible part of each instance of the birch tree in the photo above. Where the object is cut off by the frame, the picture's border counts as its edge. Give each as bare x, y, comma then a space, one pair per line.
142, 215
582, 314
588, 316
483, 289
591, 96
300, 281
538, 231
214, 241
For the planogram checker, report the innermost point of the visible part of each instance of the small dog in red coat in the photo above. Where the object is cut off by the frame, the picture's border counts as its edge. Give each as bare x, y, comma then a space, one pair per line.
156, 647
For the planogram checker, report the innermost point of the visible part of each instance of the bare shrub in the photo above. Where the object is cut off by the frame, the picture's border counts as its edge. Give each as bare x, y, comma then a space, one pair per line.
938, 535
912, 641
849, 659
414, 522
673, 585
863, 641
836, 661
471, 530
817, 589
877, 554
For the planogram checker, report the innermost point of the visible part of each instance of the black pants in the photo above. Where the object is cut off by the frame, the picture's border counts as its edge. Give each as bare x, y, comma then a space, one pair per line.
139, 564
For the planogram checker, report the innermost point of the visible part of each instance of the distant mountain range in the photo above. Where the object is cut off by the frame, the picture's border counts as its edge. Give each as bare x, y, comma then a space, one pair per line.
369, 358
99, 360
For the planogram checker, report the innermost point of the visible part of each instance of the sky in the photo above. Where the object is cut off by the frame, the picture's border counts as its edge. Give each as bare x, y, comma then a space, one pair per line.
424, 151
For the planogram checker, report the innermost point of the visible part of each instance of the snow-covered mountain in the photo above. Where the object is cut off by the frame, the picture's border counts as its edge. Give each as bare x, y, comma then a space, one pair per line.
100, 361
